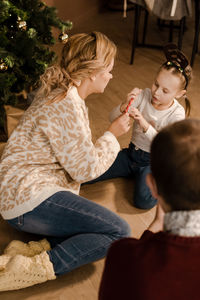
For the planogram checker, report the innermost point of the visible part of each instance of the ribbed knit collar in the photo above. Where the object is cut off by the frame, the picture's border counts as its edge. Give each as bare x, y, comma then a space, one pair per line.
183, 223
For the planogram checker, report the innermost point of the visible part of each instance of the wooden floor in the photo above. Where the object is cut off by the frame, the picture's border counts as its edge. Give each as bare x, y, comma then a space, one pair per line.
83, 284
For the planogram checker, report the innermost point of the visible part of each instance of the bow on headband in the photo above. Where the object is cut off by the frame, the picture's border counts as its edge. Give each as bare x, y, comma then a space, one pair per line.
174, 55
176, 59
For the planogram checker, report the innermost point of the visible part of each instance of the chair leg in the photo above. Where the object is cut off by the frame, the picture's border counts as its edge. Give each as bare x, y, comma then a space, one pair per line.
158, 22
197, 16
181, 31
195, 45
197, 30
145, 26
135, 32
171, 27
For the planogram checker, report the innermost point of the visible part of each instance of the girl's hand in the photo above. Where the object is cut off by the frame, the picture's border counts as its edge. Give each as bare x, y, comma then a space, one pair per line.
120, 125
136, 114
132, 95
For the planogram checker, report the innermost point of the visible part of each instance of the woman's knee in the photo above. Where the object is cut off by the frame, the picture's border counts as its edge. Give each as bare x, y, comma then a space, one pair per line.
126, 230
123, 229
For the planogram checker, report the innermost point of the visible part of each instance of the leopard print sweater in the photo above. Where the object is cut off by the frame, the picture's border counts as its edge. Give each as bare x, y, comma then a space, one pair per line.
51, 150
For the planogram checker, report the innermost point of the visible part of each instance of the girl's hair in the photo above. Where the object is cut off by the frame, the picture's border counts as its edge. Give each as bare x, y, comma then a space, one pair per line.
175, 161
185, 78
82, 55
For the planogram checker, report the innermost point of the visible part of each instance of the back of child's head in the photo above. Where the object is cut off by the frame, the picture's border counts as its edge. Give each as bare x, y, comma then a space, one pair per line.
175, 164
177, 63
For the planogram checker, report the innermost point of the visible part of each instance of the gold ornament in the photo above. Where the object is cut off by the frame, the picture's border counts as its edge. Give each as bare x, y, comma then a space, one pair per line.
21, 24
63, 37
3, 66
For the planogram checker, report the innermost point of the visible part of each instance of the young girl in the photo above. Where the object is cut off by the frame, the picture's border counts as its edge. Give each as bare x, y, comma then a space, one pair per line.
47, 157
164, 263
152, 110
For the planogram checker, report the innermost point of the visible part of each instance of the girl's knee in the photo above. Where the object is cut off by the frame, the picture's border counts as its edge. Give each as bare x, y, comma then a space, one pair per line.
144, 202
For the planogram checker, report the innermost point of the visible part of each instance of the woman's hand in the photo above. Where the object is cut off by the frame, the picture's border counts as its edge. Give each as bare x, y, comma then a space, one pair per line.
120, 125
136, 114
132, 95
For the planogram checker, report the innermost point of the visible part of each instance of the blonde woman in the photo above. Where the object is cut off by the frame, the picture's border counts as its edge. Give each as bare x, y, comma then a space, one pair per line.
46, 159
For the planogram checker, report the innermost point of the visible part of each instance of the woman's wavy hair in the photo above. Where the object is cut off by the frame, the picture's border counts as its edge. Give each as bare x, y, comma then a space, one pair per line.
83, 55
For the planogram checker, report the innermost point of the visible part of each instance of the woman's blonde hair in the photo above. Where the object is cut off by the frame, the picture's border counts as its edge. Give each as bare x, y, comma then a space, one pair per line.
82, 55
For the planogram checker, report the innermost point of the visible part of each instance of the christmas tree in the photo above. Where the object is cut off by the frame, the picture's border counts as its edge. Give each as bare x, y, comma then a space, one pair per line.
25, 40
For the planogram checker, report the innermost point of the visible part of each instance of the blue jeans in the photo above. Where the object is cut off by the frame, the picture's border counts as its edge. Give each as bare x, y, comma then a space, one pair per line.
79, 230
132, 162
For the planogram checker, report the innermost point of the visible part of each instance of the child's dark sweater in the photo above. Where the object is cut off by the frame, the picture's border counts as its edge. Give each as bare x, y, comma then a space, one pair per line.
158, 266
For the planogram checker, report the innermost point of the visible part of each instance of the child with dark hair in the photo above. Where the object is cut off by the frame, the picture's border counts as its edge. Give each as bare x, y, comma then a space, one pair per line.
165, 262
152, 109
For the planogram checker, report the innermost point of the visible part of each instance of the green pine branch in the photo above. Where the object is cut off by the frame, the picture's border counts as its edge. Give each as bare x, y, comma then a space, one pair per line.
25, 48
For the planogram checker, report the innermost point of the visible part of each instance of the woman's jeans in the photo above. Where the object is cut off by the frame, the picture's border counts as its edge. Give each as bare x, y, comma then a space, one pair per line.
133, 162
79, 230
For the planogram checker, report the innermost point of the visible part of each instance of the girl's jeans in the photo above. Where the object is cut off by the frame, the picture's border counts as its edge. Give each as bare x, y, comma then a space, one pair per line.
133, 162
79, 230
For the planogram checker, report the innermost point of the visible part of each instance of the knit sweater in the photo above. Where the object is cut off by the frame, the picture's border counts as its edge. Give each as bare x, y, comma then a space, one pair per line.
157, 119
163, 265
51, 150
